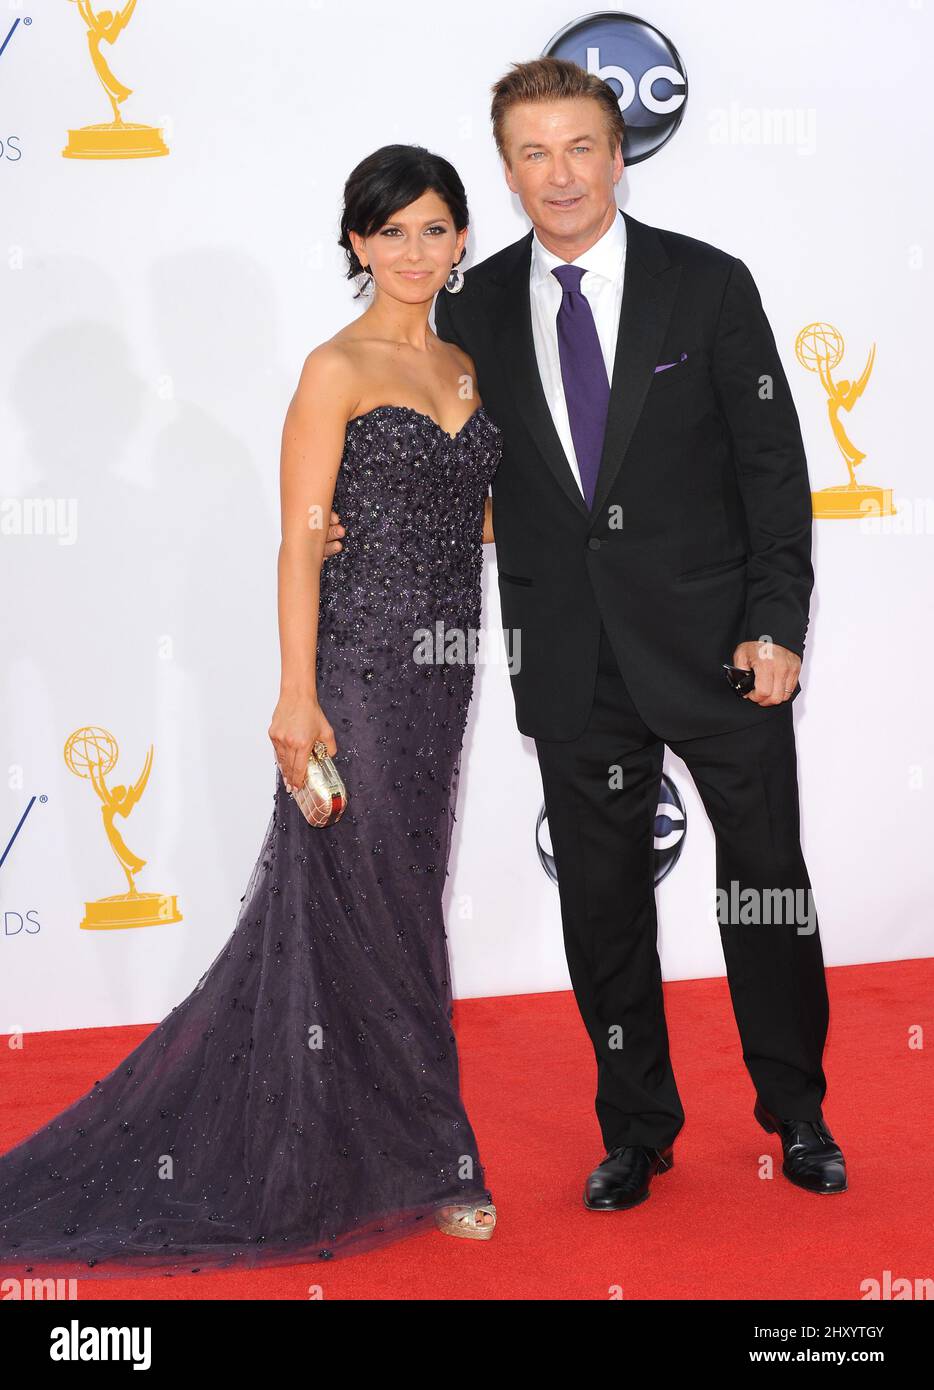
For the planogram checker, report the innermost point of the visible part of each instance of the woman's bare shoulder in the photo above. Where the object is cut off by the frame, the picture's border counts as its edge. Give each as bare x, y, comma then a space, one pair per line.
461, 361
331, 373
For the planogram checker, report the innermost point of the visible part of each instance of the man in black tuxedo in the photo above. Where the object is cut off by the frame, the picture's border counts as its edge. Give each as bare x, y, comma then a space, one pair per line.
652, 519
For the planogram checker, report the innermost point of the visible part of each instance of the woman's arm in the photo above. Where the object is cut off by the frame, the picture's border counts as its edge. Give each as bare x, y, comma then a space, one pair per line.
488, 520
312, 446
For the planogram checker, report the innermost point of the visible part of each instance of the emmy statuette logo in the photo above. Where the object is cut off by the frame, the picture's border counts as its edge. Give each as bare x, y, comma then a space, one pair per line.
819, 348
92, 754
116, 139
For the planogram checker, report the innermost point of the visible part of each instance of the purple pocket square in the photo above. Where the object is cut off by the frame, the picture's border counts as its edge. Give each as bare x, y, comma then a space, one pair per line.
663, 366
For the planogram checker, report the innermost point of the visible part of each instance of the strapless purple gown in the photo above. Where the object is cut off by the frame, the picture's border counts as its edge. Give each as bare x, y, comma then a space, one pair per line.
303, 1102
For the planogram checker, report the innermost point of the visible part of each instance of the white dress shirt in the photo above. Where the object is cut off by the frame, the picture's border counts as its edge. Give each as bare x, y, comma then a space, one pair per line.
602, 287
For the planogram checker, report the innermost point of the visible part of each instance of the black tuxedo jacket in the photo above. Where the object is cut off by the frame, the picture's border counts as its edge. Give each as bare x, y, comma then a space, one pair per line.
700, 533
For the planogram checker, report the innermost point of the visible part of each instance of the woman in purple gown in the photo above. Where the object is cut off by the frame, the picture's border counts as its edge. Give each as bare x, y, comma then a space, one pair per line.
303, 1101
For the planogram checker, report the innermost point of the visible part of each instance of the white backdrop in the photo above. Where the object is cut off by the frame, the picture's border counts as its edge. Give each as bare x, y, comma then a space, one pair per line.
155, 316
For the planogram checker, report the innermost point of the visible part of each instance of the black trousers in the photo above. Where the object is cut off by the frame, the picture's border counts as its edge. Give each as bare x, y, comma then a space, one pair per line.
601, 795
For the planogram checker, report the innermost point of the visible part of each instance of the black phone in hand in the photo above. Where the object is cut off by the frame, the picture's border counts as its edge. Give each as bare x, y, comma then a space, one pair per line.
741, 679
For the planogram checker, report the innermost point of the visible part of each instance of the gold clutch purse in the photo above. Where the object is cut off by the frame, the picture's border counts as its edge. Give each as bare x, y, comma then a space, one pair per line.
323, 798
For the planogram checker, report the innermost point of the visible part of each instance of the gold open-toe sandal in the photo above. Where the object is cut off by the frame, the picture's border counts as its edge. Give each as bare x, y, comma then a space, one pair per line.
462, 1221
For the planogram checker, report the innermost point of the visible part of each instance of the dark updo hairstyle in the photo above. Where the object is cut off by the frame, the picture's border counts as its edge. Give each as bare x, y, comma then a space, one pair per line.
389, 179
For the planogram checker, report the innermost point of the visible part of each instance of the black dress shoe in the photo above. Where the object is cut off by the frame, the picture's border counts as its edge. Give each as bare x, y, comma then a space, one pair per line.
622, 1179
813, 1159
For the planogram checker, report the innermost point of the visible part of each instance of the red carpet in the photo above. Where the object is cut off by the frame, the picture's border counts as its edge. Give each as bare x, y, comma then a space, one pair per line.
712, 1227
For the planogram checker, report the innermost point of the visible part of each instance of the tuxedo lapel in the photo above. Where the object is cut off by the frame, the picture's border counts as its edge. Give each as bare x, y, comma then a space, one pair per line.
520, 367
650, 283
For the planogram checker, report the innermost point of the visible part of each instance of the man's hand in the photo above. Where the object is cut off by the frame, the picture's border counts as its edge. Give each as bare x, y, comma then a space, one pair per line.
776, 670
332, 544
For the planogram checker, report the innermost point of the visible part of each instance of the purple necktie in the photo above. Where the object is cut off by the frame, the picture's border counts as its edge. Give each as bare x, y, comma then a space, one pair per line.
583, 372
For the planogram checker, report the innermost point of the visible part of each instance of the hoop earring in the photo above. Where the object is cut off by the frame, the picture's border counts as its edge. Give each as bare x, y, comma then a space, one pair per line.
455, 281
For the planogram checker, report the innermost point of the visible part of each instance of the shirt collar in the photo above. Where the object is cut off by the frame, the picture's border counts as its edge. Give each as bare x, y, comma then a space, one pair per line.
604, 258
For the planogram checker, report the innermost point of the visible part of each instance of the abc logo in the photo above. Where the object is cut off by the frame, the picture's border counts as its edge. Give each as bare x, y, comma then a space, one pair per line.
640, 64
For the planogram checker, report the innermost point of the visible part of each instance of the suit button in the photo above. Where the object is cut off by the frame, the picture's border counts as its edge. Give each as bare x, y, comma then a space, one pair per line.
594, 543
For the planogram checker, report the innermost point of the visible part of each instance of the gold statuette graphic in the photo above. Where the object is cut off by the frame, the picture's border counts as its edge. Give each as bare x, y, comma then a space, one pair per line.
114, 139
92, 753
819, 348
